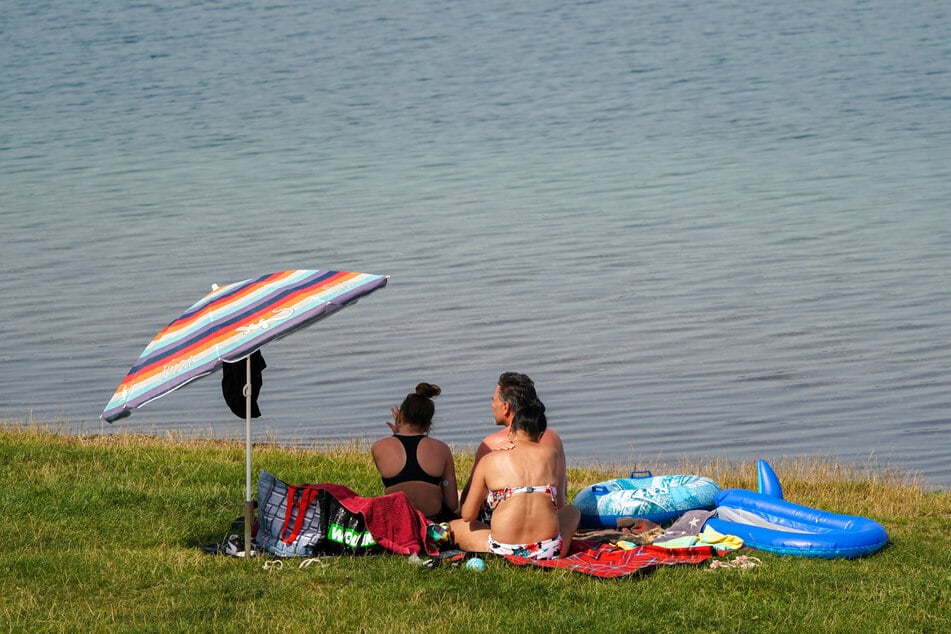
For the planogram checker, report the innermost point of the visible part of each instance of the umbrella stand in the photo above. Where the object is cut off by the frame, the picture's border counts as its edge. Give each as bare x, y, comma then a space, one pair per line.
248, 502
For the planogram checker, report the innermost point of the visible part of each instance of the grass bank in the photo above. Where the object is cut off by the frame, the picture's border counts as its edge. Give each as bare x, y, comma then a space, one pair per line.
103, 534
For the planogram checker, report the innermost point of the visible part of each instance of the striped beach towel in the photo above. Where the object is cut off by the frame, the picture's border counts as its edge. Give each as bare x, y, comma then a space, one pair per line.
608, 561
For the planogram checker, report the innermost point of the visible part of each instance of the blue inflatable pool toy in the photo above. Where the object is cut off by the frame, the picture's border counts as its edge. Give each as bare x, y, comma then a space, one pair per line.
768, 481
765, 521
660, 499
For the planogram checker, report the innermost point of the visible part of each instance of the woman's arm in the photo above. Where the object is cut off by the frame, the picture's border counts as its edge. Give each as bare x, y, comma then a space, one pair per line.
476, 495
562, 471
480, 453
450, 495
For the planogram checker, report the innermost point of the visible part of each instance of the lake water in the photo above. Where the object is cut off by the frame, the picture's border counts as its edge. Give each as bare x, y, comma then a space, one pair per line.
706, 229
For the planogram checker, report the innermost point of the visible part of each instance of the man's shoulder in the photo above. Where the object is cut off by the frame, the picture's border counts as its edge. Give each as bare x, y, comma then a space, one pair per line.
502, 433
550, 437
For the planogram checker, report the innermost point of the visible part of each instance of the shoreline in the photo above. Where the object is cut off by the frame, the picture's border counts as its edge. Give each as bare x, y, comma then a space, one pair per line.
803, 468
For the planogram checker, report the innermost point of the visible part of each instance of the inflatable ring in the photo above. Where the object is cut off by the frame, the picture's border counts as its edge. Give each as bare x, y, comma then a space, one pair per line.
659, 499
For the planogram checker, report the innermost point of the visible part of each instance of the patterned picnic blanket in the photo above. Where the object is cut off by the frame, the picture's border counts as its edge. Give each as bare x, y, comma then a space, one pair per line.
609, 562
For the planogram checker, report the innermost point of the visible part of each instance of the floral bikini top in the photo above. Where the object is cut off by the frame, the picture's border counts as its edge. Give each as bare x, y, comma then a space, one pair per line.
493, 499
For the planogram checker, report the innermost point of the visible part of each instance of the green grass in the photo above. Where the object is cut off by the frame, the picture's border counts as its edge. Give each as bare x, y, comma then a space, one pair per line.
103, 534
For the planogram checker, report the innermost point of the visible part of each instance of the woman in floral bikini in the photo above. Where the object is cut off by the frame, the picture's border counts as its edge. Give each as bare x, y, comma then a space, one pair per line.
520, 484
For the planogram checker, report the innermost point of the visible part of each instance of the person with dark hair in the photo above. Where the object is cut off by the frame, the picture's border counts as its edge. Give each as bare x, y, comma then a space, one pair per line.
513, 391
520, 483
416, 464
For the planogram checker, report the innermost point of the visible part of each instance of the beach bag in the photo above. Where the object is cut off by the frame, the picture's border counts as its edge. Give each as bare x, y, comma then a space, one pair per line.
306, 520
346, 531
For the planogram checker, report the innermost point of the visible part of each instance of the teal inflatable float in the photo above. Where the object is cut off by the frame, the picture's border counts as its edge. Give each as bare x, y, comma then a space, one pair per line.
660, 499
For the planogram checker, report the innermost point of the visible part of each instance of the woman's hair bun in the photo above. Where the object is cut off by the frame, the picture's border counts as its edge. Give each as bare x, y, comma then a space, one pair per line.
428, 390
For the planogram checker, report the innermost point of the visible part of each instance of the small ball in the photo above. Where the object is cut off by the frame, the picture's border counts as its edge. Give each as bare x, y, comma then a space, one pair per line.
475, 564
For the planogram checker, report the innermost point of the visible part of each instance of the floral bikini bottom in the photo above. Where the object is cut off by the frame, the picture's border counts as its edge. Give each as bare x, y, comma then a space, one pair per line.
545, 549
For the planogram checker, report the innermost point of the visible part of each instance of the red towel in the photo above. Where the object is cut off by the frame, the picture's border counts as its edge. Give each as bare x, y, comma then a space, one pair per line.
608, 561
392, 520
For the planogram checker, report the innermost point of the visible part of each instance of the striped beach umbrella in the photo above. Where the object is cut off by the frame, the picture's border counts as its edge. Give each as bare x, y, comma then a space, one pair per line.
228, 325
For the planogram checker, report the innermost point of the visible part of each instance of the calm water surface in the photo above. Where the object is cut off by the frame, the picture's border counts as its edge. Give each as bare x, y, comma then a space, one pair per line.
705, 228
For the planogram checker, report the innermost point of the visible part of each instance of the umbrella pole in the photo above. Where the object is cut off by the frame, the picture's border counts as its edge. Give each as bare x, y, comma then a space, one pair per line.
248, 503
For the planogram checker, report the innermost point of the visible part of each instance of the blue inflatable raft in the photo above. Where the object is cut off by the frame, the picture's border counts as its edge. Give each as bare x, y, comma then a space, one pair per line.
660, 499
765, 521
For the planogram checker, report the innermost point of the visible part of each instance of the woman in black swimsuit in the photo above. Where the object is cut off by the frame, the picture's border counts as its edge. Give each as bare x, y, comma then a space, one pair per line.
412, 462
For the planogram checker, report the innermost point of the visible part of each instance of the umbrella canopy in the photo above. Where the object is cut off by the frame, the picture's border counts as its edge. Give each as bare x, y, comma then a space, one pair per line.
229, 324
